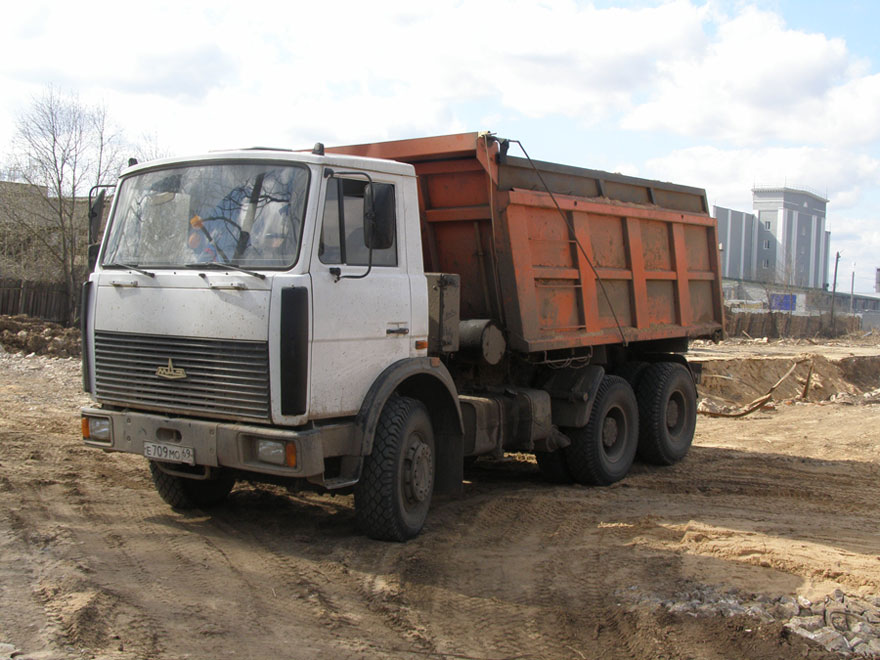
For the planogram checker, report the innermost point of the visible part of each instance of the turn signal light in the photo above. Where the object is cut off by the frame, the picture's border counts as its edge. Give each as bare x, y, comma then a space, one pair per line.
291, 454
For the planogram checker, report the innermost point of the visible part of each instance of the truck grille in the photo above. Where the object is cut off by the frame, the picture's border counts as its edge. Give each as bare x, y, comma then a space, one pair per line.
224, 379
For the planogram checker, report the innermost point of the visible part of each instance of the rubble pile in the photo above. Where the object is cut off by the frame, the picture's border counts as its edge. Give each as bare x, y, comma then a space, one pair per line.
855, 399
24, 334
842, 623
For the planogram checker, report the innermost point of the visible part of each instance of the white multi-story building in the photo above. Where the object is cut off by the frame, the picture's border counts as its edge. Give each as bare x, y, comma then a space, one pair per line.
783, 241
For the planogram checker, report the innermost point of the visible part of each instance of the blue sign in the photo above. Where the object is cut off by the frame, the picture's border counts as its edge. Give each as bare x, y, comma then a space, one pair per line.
783, 302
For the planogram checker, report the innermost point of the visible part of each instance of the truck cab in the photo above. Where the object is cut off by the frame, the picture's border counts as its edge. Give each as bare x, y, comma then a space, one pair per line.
243, 310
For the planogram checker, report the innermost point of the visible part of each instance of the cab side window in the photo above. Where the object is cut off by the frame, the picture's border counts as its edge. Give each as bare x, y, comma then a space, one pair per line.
342, 233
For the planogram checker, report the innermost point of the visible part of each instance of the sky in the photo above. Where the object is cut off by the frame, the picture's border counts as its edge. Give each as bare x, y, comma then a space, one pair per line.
718, 94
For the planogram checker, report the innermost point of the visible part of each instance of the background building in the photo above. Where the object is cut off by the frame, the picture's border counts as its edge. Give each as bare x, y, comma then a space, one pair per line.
793, 242
737, 232
783, 242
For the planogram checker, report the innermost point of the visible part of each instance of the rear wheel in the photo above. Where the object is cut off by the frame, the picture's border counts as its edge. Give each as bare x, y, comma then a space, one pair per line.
183, 493
393, 495
602, 452
667, 413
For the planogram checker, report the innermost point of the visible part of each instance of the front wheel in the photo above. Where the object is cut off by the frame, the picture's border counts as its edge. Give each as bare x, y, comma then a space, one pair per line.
602, 452
393, 496
183, 493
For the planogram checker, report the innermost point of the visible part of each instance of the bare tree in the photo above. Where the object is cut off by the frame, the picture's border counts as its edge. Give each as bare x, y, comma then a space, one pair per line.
148, 148
61, 148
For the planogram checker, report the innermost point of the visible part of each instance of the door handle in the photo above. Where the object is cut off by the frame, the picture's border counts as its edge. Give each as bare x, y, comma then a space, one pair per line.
397, 331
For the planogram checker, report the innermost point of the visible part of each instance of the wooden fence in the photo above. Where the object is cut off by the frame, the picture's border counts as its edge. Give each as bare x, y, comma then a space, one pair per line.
781, 324
43, 300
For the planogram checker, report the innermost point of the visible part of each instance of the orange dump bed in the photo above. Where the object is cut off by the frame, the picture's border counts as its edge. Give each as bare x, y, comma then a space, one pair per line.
645, 252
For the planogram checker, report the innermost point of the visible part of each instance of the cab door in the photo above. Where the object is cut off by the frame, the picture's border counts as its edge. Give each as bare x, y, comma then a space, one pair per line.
362, 310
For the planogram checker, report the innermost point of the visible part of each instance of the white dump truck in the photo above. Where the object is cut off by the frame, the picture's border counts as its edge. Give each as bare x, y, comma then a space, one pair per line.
363, 319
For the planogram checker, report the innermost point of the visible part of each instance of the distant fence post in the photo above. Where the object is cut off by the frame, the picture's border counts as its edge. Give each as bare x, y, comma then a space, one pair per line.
44, 300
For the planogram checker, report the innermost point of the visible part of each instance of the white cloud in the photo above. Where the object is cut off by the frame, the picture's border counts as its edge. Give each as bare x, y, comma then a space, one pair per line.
393, 68
760, 81
858, 241
729, 174
342, 67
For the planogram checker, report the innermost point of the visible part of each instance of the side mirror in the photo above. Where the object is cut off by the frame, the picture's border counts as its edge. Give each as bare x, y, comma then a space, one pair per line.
96, 214
379, 216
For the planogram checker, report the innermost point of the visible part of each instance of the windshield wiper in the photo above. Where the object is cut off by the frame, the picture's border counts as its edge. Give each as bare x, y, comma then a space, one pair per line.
217, 265
131, 267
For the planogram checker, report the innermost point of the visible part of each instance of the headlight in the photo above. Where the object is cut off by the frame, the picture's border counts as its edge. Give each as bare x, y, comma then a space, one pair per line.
97, 428
270, 451
276, 452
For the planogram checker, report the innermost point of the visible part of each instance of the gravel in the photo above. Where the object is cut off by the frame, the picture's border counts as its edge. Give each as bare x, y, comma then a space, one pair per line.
841, 623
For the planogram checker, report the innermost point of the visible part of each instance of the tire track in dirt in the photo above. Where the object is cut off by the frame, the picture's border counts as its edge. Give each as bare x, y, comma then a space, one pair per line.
297, 582
200, 558
101, 547
532, 603
21, 606
120, 534
63, 584
324, 589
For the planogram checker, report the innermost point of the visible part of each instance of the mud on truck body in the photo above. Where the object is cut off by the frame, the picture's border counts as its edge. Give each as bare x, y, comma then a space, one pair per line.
366, 318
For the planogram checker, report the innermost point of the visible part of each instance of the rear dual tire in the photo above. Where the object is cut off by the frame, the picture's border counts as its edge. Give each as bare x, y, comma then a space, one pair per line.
644, 410
602, 452
667, 400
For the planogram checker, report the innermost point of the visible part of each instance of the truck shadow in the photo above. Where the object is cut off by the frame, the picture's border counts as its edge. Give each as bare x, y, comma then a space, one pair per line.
776, 495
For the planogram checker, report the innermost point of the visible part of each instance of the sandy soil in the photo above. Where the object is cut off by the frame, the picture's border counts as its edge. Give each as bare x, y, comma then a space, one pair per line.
94, 565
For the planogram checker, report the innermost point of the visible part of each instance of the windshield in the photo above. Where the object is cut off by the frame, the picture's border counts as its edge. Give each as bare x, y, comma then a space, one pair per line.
244, 214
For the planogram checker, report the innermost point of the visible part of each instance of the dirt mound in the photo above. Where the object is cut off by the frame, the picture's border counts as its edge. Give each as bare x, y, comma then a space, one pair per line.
739, 382
864, 372
27, 335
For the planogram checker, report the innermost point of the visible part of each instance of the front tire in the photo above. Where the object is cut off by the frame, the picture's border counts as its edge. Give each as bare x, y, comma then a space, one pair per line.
602, 452
667, 412
393, 496
182, 493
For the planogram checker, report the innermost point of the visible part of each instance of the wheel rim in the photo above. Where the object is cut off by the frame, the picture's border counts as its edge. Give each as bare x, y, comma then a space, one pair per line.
614, 432
676, 414
417, 471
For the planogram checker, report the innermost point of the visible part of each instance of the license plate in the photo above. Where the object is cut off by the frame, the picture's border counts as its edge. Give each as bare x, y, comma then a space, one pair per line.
171, 453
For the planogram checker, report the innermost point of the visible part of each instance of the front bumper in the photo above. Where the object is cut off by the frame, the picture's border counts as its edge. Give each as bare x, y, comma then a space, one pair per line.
224, 444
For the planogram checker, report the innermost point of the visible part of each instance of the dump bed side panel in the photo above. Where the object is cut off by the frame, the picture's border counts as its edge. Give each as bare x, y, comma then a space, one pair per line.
631, 257
653, 273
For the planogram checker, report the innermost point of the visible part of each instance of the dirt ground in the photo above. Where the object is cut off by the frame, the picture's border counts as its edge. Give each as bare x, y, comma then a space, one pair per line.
781, 502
